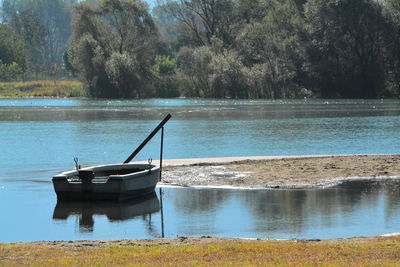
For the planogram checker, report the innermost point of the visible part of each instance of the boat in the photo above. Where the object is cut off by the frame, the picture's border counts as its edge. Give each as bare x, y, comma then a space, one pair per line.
120, 181
107, 182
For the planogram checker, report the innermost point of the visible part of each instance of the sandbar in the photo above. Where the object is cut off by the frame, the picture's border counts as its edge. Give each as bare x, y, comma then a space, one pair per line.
273, 172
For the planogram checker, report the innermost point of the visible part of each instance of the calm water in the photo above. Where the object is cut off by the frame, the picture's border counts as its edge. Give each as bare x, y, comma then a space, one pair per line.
40, 138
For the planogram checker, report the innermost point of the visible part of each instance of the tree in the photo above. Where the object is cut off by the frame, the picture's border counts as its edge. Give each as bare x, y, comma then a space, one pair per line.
273, 50
166, 23
246, 11
45, 25
54, 17
9, 72
112, 45
392, 12
12, 48
28, 25
346, 48
12, 53
167, 83
195, 65
201, 20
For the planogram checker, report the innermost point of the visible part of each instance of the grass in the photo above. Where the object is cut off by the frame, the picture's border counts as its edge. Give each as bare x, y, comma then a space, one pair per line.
41, 89
367, 252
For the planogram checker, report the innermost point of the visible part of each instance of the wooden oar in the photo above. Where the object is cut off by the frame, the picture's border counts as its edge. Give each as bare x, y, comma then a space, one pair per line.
151, 135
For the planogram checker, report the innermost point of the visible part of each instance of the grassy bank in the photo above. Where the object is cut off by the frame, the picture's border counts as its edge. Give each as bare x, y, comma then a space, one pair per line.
378, 251
41, 89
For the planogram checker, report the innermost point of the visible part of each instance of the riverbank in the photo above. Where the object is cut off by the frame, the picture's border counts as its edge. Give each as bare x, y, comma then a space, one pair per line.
377, 251
43, 88
279, 171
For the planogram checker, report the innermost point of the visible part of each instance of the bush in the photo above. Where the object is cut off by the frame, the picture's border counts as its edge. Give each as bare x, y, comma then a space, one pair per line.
10, 71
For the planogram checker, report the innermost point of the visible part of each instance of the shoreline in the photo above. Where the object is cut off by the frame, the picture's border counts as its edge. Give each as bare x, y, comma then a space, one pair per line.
278, 172
206, 251
196, 240
329, 183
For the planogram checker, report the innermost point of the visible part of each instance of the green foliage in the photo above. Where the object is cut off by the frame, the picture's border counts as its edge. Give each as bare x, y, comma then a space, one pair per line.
167, 83
122, 73
227, 79
112, 45
28, 25
165, 23
289, 48
164, 65
392, 13
67, 59
45, 28
209, 48
251, 10
266, 60
347, 41
48, 20
211, 74
168, 86
9, 72
12, 48
198, 21
195, 65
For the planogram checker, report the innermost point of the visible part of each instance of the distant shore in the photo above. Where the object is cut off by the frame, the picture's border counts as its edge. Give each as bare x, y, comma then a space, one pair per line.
279, 171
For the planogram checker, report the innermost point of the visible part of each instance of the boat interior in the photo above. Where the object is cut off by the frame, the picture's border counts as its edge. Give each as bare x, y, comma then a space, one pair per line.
116, 172
102, 173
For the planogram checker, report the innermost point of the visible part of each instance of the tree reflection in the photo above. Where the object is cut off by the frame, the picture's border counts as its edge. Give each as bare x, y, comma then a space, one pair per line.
296, 211
199, 201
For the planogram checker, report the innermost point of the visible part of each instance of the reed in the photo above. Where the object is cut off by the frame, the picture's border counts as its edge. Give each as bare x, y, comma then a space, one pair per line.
43, 88
362, 252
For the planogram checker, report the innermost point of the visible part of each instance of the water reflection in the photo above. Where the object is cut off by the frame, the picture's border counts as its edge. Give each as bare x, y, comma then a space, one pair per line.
361, 208
277, 210
357, 208
301, 211
92, 110
98, 132
199, 201
115, 211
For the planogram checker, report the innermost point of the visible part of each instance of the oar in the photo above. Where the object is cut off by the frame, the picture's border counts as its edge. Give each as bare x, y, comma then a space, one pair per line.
161, 125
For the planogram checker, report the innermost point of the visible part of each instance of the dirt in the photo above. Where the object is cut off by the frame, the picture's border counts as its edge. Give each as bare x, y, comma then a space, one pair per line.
288, 172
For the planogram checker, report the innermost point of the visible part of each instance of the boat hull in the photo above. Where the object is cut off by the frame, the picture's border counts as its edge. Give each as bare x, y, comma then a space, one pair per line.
109, 182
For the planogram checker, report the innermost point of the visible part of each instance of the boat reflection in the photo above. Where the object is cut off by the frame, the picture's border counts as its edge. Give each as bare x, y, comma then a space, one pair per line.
115, 211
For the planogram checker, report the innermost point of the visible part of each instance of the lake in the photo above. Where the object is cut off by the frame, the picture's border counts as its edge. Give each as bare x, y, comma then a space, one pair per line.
40, 137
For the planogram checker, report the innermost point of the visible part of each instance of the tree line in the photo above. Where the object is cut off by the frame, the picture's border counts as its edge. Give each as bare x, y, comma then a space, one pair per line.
208, 48
34, 35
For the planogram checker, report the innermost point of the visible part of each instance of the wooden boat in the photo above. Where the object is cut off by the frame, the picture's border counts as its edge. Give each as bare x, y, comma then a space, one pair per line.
112, 181
107, 182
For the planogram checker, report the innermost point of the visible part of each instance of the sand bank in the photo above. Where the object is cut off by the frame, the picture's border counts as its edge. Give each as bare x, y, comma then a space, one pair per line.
279, 171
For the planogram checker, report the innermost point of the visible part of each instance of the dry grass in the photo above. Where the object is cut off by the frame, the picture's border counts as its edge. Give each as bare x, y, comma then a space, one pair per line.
379, 251
42, 89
